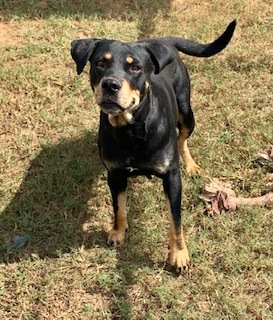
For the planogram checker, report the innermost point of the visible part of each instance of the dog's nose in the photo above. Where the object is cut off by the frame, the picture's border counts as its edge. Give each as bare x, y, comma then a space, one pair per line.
111, 85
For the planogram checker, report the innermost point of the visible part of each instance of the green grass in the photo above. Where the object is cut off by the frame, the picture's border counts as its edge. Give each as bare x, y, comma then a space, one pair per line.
53, 188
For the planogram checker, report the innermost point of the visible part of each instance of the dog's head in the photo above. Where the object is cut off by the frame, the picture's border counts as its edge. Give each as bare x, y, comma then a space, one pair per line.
120, 72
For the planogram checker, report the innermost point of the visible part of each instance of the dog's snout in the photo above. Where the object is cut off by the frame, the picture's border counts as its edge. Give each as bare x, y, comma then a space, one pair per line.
111, 85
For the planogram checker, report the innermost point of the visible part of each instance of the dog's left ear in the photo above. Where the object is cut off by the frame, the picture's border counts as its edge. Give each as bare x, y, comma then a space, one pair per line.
161, 54
81, 51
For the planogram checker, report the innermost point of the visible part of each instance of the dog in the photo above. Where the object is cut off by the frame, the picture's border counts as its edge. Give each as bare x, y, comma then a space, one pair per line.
143, 90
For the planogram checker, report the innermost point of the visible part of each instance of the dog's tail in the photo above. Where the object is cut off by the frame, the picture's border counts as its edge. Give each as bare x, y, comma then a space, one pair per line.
196, 49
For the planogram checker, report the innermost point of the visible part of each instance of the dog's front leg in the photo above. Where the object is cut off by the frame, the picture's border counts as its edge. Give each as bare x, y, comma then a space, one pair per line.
179, 256
117, 184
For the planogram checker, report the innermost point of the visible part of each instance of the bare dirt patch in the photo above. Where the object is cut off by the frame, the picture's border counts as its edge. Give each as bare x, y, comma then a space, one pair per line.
8, 35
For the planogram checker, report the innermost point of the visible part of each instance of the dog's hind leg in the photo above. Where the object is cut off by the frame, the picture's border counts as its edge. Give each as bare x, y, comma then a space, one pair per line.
186, 122
118, 184
184, 132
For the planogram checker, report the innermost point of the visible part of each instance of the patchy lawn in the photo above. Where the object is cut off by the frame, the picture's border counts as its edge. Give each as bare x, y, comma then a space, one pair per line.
53, 189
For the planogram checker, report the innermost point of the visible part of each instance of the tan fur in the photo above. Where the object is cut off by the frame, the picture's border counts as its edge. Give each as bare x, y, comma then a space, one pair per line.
129, 60
126, 95
179, 255
118, 235
147, 84
108, 56
191, 166
120, 120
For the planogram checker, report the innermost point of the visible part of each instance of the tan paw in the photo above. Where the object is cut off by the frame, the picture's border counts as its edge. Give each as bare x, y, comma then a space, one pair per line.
180, 259
116, 237
193, 168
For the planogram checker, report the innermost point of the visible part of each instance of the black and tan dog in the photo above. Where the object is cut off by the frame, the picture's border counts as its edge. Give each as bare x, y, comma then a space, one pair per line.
143, 90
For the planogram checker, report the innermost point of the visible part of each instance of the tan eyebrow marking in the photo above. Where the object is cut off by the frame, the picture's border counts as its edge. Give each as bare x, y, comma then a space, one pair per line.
108, 56
129, 59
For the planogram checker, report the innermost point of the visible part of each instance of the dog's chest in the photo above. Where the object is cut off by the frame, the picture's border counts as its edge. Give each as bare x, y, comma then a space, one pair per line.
138, 159
137, 149
134, 167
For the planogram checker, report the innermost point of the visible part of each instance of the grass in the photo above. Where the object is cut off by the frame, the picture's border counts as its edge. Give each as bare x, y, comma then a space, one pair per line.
54, 191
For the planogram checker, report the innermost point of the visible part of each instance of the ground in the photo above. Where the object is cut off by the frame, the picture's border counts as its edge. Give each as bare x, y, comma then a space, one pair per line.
53, 189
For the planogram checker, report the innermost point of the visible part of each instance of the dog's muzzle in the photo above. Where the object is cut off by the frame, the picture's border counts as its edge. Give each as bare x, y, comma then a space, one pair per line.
115, 96
110, 88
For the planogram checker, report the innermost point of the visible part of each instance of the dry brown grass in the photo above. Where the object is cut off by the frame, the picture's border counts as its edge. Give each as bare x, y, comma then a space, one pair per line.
53, 188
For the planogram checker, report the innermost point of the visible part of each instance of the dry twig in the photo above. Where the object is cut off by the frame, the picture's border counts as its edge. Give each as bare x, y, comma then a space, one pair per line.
220, 197
266, 154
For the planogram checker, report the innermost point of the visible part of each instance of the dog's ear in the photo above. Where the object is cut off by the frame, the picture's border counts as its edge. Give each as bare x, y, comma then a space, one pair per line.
161, 54
81, 51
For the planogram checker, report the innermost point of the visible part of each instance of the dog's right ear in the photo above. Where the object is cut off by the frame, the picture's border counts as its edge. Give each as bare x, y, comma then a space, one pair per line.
81, 51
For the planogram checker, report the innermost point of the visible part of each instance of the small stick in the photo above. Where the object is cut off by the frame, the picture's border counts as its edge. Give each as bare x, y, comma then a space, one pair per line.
220, 197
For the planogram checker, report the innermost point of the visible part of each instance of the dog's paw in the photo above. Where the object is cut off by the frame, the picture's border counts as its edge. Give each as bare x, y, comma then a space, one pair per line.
179, 258
116, 237
193, 169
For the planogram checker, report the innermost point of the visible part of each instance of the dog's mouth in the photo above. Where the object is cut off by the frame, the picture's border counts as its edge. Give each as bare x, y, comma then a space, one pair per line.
110, 107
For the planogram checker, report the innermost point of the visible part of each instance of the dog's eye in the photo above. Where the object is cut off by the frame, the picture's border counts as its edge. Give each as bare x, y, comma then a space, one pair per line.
135, 69
101, 64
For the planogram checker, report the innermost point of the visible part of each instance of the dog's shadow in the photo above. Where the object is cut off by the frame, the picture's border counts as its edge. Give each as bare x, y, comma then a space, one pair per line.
51, 203
51, 206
